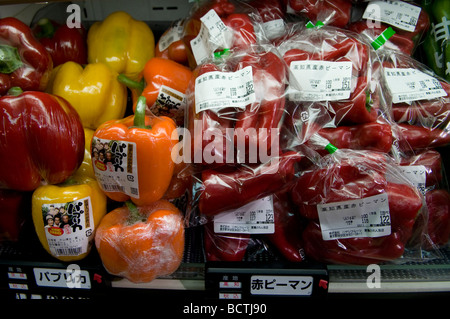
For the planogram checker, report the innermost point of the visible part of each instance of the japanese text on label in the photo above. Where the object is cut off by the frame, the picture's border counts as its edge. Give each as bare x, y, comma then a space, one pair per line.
256, 217
366, 217
408, 84
321, 80
115, 166
215, 90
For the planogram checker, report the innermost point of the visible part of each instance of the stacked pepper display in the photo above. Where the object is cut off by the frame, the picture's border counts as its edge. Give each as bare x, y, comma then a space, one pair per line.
262, 92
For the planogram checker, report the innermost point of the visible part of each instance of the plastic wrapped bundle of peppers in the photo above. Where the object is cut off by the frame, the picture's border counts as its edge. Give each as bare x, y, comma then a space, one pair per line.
306, 130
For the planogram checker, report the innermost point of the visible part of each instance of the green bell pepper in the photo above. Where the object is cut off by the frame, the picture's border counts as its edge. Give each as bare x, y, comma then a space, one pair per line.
436, 46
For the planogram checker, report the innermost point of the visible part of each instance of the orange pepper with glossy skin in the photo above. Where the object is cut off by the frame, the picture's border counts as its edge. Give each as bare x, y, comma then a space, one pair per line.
153, 139
141, 243
157, 74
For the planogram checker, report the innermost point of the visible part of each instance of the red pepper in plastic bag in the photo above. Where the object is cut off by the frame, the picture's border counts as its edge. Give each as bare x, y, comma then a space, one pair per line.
432, 162
396, 42
336, 46
288, 229
244, 33
415, 111
370, 136
438, 226
331, 12
224, 246
228, 188
25, 62
43, 138
414, 137
269, 75
354, 177
351, 250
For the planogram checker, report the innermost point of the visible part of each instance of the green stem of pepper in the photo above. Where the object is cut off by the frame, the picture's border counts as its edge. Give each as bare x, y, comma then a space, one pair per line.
135, 216
47, 29
369, 101
9, 59
131, 84
139, 113
14, 91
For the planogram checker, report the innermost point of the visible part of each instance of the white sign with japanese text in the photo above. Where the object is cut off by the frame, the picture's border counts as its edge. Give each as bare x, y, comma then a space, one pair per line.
281, 285
366, 217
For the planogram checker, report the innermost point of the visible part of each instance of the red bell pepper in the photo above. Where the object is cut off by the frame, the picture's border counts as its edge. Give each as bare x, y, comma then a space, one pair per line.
438, 226
224, 246
228, 188
287, 237
14, 209
414, 137
369, 136
43, 139
331, 12
24, 62
63, 43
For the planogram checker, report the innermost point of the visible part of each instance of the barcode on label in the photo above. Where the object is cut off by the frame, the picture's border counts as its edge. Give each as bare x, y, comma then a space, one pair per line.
73, 251
113, 188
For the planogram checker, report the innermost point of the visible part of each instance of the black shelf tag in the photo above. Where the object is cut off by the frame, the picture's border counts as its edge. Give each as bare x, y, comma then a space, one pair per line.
236, 280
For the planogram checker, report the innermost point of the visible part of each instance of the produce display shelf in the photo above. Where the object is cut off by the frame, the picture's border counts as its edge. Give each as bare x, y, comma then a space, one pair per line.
21, 262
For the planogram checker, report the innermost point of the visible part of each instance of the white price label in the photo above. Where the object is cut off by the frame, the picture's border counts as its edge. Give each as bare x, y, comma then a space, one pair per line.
62, 278
366, 217
416, 174
408, 84
281, 285
321, 80
399, 14
172, 35
256, 217
213, 34
215, 90
274, 28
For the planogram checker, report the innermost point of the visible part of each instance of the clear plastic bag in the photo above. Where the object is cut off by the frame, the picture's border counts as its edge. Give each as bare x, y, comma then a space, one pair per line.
330, 12
361, 209
417, 101
216, 26
408, 21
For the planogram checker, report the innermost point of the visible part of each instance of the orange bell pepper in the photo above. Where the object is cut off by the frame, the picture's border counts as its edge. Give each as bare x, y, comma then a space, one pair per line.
163, 83
141, 243
132, 156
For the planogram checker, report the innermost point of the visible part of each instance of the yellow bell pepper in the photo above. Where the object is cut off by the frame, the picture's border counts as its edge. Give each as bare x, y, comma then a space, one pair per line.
93, 91
65, 216
86, 168
122, 42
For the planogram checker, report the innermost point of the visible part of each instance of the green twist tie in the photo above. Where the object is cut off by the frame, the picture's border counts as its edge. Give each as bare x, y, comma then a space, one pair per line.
220, 53
382, 38
331, 148
311, 25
